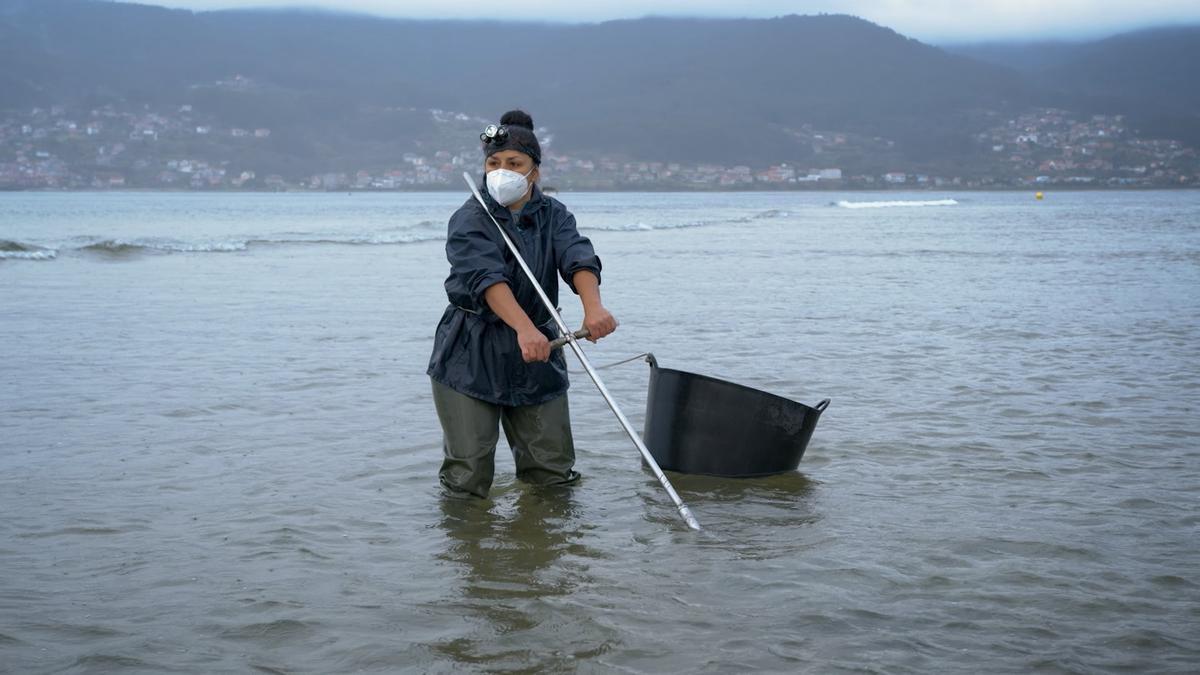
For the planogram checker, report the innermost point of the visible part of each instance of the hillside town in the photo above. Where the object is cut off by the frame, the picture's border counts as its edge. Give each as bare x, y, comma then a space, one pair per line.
180, 148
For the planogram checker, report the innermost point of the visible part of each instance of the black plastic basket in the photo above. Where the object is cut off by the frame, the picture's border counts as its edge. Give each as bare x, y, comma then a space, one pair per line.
703, 425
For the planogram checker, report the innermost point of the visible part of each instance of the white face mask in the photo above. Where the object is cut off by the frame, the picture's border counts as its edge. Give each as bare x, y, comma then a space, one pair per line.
507, 186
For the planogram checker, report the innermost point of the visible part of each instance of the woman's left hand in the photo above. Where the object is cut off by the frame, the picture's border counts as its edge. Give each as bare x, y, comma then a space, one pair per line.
599, 323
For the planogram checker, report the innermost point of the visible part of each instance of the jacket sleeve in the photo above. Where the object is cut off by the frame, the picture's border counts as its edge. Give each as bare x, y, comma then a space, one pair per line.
474, 252
573, 251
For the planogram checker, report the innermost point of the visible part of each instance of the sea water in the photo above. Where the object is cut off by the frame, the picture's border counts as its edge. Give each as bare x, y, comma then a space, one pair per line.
218, 451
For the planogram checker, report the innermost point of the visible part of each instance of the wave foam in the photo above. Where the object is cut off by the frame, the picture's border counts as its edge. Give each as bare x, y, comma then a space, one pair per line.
15, 250
131, 246
422, 232
44, 254
363, 240
894, 204
640, 226
150, 245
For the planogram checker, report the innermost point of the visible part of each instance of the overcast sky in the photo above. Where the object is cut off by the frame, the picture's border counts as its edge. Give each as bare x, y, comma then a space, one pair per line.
928, 20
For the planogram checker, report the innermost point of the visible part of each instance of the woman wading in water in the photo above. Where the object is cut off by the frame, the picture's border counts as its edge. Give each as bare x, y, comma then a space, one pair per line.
492, 365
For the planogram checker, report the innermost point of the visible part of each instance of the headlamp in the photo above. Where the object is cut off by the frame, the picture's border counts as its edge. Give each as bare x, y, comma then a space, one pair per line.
494, 134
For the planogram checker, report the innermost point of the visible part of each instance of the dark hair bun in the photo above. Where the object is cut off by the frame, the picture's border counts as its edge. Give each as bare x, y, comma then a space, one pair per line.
517, 118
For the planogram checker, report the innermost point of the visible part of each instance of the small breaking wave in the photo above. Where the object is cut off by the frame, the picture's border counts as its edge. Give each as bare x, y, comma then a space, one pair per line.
357, 240
641, 226
117, 247
894, 204
771, 213
15, 250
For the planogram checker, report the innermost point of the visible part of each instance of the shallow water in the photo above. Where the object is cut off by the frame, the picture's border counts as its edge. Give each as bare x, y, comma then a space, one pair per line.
218, 452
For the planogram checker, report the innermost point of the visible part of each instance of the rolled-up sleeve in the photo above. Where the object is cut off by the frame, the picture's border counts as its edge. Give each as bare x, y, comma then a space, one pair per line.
574, 251
476, 262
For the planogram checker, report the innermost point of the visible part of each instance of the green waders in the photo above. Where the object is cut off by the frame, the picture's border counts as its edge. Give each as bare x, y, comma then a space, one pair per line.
539, 436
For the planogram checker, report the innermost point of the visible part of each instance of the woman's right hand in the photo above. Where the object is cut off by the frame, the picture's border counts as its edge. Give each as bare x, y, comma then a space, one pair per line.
534, 345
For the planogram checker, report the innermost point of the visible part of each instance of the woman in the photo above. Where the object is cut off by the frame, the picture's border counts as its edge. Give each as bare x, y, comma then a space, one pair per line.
492, 364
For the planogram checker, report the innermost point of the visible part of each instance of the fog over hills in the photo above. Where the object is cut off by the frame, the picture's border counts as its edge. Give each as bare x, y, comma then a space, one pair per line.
1150, 75
724, 90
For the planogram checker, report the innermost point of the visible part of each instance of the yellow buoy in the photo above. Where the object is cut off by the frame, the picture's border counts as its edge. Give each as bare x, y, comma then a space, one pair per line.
1038, 196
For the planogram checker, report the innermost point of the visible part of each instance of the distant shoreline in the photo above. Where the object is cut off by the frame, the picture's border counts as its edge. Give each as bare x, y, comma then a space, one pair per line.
552, 191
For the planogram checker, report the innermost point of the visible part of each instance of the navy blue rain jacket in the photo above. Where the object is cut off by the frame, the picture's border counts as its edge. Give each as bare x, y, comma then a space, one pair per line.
474, 351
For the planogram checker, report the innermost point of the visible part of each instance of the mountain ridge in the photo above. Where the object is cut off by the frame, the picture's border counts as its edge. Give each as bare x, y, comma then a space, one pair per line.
735, 90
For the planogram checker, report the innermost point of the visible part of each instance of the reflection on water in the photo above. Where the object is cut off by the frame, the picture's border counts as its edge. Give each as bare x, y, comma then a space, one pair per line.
788, 502
496, 543
787, 498
730, 511
515, 556
787, 489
